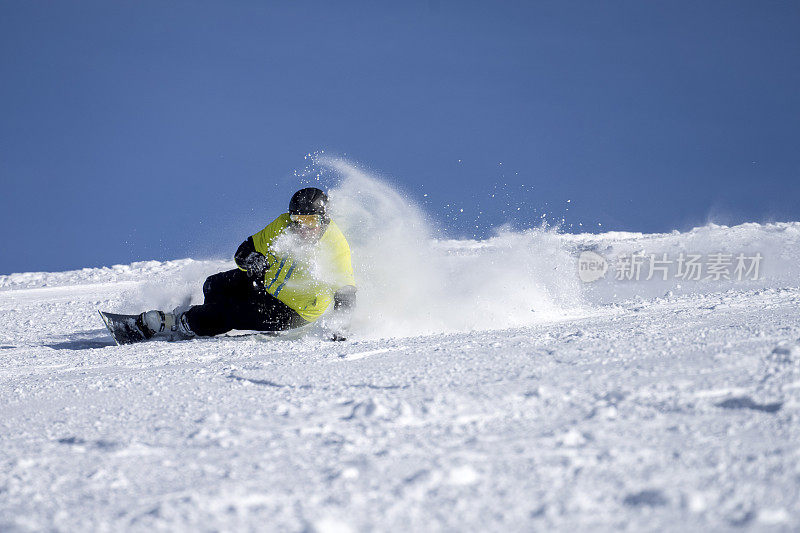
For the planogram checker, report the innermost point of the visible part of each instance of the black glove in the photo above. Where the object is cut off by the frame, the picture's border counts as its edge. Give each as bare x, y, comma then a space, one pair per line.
255, 264
344, 299
338, 321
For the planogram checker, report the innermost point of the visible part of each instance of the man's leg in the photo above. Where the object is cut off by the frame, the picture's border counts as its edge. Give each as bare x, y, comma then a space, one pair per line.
226, 287
209, 319
206, 320
223, 294
244, 309
264, 312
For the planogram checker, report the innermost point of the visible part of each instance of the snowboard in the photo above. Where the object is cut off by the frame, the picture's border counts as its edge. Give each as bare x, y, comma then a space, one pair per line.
123, 328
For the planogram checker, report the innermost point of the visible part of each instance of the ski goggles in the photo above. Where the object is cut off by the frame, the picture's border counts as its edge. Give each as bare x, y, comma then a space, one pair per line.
307, 221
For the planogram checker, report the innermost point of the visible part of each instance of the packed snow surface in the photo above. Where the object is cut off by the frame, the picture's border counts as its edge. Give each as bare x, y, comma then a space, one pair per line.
484, 387
668, 412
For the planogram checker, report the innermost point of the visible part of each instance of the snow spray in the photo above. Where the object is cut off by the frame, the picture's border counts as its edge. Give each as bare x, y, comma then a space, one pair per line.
411, 283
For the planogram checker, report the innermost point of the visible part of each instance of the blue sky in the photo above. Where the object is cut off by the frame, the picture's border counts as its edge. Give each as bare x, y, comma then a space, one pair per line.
157, 130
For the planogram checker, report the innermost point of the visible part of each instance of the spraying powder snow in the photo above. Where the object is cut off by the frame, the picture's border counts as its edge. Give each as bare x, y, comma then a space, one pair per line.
411, 282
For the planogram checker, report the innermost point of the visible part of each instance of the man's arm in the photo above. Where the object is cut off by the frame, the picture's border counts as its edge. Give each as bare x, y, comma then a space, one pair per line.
252, 262
245, 249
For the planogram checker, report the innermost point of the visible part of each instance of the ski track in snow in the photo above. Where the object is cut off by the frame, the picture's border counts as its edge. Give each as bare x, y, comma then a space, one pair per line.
670, 413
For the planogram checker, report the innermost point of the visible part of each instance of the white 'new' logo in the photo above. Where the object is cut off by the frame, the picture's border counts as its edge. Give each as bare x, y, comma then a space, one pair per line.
591, 266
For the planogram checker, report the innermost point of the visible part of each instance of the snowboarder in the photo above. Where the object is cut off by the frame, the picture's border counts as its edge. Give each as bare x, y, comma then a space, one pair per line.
288, 274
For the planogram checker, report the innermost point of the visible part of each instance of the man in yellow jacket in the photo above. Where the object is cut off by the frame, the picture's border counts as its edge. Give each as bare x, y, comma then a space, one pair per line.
288, 275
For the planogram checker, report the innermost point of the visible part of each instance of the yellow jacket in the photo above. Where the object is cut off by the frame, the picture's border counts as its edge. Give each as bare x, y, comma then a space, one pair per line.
304, 276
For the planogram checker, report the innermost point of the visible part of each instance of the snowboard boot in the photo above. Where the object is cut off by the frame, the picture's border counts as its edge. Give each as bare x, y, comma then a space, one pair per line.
173, 324
152, 322
181, 326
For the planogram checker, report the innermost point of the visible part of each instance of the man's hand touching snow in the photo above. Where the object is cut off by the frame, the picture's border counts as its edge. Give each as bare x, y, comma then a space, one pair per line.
338, 323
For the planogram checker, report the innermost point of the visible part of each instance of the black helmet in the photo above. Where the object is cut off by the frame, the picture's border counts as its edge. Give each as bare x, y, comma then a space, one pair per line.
309, 201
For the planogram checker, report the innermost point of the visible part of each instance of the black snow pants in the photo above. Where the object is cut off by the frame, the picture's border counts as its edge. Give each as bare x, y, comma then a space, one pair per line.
234, 301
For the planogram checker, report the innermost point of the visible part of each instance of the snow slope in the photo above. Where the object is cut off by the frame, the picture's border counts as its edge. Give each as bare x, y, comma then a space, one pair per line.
630, 412
484, 387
